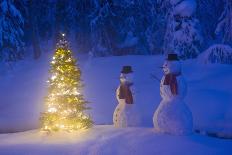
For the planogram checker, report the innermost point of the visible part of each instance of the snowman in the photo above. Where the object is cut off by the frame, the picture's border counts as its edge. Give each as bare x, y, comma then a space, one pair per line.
125, 114
172, 115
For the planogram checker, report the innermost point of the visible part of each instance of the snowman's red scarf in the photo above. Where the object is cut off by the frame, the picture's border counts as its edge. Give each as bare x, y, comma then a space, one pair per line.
170, 79
125, 93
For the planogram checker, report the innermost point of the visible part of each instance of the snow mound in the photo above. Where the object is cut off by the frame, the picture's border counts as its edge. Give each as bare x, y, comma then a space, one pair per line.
218, 53
185, 8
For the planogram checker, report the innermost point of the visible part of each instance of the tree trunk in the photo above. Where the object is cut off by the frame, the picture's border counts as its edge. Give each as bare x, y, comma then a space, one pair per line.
34, 30
36, 44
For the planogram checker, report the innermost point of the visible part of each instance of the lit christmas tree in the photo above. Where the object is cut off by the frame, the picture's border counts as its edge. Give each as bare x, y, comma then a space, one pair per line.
64, 104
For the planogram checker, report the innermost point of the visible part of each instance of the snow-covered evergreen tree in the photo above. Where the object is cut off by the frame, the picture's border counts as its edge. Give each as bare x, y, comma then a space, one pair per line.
144, 18
34, 17
127, 39
103, 28
168, 37
167, 12
183, 30
224, 26
209, 9
39, 19
122, 27
156, 28
82, 26
140, 24
119, 27
65, 14
11, 31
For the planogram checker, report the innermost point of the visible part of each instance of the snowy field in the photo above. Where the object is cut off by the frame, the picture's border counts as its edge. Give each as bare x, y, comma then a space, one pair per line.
209, 97
106, 140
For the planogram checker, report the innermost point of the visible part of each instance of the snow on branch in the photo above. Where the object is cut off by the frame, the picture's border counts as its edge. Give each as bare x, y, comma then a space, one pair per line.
218, 53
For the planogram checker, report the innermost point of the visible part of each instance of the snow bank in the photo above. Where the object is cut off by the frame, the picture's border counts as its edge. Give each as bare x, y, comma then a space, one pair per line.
210, 97
107, 140
218, 53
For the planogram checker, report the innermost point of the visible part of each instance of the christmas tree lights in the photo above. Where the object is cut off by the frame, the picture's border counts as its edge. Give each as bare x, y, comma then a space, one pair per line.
64, 104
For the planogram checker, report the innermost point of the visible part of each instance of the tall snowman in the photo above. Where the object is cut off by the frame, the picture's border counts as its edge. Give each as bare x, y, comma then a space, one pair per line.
172, 115
125, 114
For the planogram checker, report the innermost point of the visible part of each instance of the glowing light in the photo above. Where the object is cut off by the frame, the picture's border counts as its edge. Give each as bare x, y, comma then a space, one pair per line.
64, 102
84, 117
53, 77
69, 59
52, 110
76, 93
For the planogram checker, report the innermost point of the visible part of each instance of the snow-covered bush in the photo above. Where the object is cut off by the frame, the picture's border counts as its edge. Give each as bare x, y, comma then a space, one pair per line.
218, 53
224, 27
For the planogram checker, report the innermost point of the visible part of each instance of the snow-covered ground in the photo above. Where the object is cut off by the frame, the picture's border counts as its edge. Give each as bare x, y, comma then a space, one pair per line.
106, 140
209, 90
209, 97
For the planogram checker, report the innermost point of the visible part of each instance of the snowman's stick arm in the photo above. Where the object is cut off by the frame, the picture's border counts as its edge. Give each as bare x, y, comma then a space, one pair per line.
155, 77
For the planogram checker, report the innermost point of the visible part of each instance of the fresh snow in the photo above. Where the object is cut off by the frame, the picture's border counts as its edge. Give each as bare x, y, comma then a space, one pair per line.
107, 140
130, 40
218, 53
185, 8
209, 97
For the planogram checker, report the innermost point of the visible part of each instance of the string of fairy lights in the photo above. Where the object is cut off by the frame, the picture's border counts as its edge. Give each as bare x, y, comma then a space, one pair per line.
64, 103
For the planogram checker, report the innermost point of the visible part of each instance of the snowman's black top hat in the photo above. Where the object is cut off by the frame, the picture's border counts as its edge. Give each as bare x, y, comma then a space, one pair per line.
126, 69
172, 57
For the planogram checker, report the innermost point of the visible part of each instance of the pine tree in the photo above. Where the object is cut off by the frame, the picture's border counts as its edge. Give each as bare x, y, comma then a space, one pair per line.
65, 104
224, 26
33, 18
103, 28
82, 27
11, 31
187, 39
209, 9
183, 29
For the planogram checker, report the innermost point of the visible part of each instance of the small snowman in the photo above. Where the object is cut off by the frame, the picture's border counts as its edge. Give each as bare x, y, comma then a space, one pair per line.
125, 114
172, 115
